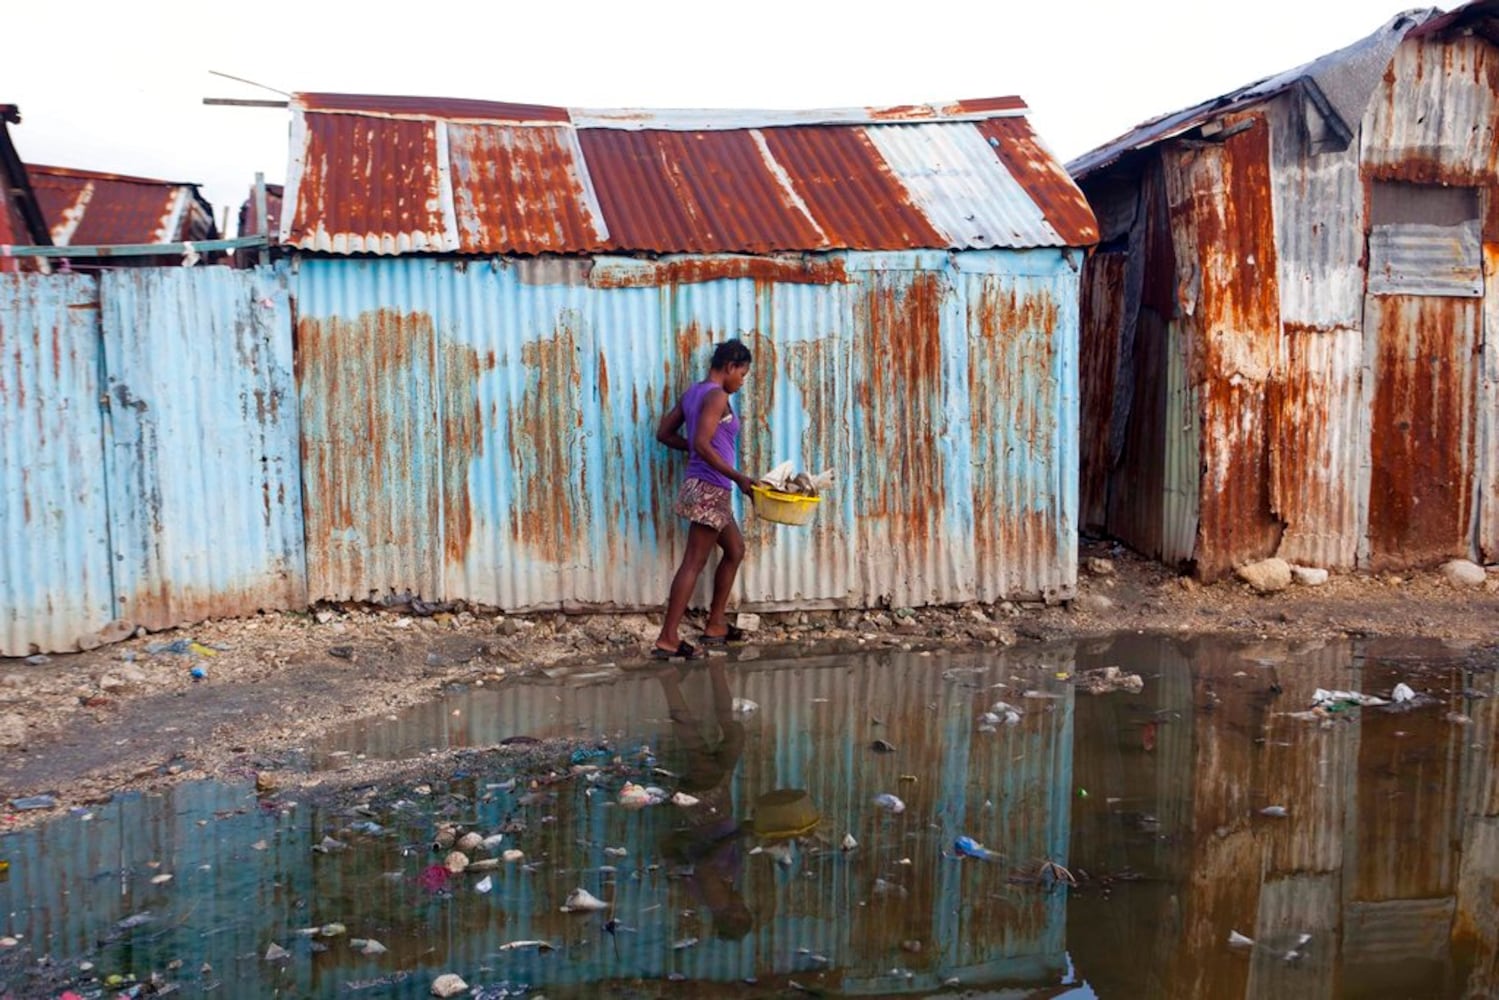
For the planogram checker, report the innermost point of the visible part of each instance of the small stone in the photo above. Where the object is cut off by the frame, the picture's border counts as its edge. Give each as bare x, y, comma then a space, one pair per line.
324, 617
1463, 573
1100, 567
506, 626
455, 862
1093, 603
332, 930
1267, 576
109, 682
39, 660
747, 622
470, 842
448, 985
1308, 576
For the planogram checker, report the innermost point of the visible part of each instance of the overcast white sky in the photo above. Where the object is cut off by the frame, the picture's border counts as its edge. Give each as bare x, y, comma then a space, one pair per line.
119, 86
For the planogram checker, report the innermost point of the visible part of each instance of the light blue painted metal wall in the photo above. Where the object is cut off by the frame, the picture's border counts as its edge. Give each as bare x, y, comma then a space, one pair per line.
150, 465
55, 581
205, 499
484, 430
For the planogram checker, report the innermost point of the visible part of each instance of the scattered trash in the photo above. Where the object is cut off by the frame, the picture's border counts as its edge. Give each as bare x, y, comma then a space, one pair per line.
329, 846
470, 842
342, 652
969, 848
616, 852
1458, 719
1106, 680
448, 985
527, 945
332, 930
684, 800
633, 796
484, 884
161, 879
849, 843
511, 856
882, 746
39, 659
30, 802
683, 944
1082, 793
1402, 694
1237, 940
590, 755
1336, 700
276, 953
583, 901
1276, 812
744, 708
1294, 953
367, 946
889, 803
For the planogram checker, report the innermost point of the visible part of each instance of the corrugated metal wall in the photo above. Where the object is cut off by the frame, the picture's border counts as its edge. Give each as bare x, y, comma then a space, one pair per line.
486, 430
1338, 428
55, 575
150, 465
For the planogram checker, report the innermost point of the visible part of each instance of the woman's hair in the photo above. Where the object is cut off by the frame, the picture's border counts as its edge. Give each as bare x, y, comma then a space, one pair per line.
730, 352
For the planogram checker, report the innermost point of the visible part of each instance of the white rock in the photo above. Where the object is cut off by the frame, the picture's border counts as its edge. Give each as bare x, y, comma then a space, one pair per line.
849, 843
684, 800
1309, 576
583, 901
455, 862
1402, 693
470, 842
511, 856
448, 985
1462, 573
747, 622
1267, 576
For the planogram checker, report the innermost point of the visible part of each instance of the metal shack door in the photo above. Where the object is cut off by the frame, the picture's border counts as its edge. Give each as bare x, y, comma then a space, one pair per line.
1422, 317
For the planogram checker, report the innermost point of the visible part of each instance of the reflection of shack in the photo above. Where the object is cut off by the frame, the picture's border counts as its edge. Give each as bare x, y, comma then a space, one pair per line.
90, 208
982, 922
496, 301
1384, 811
1289, 331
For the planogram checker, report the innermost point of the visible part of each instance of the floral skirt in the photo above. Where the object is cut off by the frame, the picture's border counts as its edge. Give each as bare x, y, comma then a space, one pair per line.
705, 503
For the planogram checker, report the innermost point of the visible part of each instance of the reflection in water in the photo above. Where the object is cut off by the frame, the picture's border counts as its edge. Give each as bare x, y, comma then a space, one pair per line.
1360, 854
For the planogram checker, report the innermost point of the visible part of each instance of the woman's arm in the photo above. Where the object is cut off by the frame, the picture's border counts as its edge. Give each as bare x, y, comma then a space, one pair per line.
669, 431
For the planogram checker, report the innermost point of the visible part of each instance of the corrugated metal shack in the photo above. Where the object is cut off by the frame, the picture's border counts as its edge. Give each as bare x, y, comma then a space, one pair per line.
1284, 330
89, 208
495, 303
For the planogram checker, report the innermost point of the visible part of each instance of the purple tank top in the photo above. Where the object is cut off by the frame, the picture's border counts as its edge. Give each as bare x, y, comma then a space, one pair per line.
725, 437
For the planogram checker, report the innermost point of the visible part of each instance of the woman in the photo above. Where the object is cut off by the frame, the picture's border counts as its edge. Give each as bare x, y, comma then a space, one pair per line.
707, 498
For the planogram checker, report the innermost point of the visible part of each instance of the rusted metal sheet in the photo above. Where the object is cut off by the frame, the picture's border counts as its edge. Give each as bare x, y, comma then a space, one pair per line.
1488, 410
1101, 320
1432, 119
1224, 234
1317, 439
1426, 260
202, 444
1425, 363
56, 583
507, 411
90, 208
406, 175
21, 222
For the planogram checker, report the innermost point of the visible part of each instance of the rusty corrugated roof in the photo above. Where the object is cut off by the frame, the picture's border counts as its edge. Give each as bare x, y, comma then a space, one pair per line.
92, 208
392, 175
20, 219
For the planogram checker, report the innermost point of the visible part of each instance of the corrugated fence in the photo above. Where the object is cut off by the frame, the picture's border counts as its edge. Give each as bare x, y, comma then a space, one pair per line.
484, 430
149, 470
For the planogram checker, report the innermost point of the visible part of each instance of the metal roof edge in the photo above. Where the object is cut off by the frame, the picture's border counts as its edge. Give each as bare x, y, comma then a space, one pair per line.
1172, 124
15, 168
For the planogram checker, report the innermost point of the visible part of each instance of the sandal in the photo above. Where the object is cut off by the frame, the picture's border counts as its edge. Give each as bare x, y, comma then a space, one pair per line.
684, 651
734, 634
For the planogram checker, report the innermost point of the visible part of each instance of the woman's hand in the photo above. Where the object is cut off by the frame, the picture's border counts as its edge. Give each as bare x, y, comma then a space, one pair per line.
745, 482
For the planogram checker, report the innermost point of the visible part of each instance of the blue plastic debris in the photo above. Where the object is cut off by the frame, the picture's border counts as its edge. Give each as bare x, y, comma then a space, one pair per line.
33, 802
198, 673
969, 848
587, 755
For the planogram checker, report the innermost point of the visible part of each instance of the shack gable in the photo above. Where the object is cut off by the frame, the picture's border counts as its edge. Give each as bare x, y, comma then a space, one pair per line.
90, 207
399, 175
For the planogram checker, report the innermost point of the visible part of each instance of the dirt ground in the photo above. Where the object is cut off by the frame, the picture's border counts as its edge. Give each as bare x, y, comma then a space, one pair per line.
80, 727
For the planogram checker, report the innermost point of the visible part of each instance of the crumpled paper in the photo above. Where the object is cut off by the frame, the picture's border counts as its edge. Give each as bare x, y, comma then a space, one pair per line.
785, 479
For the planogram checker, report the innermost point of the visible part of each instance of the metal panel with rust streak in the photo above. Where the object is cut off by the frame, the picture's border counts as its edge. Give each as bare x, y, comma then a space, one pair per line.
1488, 403
1435, 117
55, 578
485, 430
1224, 235
1101, 321
205, 498
1425, 363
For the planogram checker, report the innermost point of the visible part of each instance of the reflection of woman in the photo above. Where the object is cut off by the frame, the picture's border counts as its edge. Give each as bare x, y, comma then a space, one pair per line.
709, 840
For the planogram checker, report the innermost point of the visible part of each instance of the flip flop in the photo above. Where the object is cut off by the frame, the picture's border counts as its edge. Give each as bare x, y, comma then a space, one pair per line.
734, 634
684, 651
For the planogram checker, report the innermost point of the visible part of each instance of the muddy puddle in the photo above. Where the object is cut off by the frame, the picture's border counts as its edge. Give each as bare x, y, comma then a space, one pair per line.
1205, 836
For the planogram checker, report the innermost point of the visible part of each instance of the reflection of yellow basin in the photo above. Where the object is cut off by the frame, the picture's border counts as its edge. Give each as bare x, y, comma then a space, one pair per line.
784, 813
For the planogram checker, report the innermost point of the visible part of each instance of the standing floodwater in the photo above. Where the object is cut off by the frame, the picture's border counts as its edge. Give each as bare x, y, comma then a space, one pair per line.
870, 824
